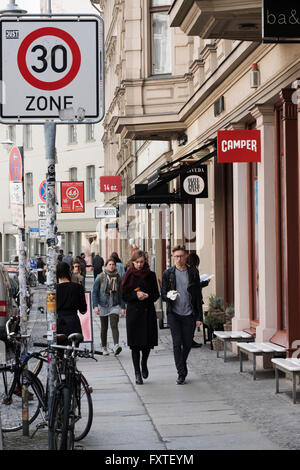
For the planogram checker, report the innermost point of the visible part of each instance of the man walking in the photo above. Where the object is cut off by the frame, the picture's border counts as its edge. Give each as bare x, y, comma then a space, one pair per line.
181, 290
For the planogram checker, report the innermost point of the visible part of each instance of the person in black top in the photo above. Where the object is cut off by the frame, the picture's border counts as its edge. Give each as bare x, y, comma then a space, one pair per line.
98, 263
70, 298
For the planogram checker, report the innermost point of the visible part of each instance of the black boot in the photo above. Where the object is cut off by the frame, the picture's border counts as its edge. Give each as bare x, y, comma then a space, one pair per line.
136, 364
145, 355
138, 378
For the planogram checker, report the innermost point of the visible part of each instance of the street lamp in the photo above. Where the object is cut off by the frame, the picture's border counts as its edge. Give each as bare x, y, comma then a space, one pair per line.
12, 9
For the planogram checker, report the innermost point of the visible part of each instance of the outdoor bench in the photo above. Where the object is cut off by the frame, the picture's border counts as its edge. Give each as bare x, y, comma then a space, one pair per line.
253, 350
229, 337
290, 366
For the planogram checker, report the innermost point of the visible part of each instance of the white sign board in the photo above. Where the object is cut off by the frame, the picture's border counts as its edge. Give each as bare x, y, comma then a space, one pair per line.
16, 192
51, 69
105, 212
42, 210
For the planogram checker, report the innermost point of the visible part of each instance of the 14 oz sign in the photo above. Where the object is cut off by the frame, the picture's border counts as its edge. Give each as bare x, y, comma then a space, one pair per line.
49, 66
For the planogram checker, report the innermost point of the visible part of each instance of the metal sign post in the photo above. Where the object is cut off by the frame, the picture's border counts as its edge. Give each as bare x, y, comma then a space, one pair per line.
50, 133
16, 173
57, 62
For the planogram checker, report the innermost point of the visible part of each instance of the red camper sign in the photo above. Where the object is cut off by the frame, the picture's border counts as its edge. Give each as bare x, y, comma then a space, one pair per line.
239, 146
72, 196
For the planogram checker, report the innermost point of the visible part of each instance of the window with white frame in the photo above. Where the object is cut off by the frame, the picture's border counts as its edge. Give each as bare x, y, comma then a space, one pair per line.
27, 136
11, 133
73, 174
90, 132
29, 189
160, 37
72, 134
90, 180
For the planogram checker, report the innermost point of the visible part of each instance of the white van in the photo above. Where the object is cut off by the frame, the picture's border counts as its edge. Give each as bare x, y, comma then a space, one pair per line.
8, 306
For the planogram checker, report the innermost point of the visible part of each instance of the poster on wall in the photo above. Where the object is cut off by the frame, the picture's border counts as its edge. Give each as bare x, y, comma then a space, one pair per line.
72, 196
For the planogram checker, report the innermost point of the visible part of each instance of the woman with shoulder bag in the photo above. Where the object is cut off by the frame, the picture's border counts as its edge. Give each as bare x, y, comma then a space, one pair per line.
140, 291
107, 302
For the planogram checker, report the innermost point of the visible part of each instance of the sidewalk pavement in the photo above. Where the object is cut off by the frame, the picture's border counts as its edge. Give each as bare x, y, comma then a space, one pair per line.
217, 407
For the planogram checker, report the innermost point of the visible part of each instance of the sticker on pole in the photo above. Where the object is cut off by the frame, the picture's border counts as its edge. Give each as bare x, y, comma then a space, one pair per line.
52, 69
72, 196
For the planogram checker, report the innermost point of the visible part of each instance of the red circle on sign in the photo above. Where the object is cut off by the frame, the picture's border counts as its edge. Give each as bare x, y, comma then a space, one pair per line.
43, 190
40, 84
15, 165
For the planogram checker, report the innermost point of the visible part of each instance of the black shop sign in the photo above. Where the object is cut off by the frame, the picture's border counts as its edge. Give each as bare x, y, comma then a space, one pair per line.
193, 182
281, 21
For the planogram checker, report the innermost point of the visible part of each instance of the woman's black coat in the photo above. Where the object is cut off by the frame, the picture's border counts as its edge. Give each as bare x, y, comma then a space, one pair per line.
141, 320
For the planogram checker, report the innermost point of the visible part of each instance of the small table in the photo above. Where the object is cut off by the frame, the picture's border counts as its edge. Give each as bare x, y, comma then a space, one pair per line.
229, 337
259, 349
289, 366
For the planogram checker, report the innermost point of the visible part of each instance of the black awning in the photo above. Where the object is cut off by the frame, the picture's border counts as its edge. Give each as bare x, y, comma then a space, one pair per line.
157, 189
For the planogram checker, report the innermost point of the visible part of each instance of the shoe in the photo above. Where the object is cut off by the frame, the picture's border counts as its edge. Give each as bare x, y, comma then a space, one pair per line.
145, 372
196, 345
180, 380
138, 378
105, 351
117, 349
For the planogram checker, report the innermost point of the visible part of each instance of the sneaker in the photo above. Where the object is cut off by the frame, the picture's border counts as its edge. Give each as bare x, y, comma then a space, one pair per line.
105, 351
117, 349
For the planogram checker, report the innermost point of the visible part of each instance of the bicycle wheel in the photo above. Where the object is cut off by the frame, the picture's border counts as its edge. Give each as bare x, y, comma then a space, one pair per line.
83, 409
61, 431
11, 399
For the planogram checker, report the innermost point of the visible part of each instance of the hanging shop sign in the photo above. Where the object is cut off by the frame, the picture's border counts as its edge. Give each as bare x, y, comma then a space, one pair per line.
193, 183
57, 68
72, 196
239, 146
110, 184
106, 212
281, 21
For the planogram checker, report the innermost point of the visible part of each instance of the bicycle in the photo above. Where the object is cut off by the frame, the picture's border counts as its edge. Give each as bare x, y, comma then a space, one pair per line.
71, 414
58, 421
12, 376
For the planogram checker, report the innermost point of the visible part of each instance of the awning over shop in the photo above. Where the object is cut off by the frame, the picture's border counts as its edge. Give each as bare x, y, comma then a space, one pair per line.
156, 191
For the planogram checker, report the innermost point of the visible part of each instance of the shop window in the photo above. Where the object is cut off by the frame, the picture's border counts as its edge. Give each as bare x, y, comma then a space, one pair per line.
253, 243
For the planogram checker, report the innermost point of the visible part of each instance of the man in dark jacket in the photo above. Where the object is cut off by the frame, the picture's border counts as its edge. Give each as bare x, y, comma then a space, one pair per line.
182, 292
98, 263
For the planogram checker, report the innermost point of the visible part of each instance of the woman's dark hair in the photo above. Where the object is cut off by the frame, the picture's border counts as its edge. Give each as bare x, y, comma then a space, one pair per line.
110, 259
138, 254
115, 256
193, 260
63, 270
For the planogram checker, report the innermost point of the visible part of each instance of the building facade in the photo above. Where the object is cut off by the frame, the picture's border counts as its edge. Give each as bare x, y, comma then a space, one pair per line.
178, 72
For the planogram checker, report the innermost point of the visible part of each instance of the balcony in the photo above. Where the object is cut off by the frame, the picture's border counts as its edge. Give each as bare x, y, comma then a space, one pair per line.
227, 19
151, 106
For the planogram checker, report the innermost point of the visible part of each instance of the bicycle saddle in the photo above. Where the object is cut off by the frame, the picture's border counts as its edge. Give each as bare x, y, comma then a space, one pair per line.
77, 337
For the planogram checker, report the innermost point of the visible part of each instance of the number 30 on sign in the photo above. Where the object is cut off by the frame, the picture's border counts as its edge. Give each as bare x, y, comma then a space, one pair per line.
49, 66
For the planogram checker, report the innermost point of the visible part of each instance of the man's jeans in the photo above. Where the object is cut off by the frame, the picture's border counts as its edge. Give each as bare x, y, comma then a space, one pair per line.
182, 331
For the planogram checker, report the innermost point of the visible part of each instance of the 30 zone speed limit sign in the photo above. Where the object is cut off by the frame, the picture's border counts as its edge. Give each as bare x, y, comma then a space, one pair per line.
51, 65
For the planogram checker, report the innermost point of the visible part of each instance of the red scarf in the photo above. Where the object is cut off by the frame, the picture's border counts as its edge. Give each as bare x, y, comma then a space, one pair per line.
131, 273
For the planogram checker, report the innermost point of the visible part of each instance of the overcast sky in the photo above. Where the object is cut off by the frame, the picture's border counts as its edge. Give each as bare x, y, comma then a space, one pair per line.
70, 6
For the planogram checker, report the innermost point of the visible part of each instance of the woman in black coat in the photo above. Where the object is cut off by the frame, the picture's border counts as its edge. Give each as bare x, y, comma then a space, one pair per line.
140, 291
70, 298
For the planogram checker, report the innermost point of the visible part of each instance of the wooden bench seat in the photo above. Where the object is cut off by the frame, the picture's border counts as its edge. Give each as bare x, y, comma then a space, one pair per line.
259, 349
